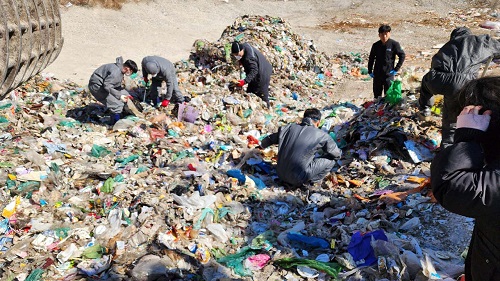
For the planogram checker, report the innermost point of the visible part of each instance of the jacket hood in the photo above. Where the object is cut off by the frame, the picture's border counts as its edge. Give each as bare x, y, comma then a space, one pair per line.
460, 31
152, 68
119, 62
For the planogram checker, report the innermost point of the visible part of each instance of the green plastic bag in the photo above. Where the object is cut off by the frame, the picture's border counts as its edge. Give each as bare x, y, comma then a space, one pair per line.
235, 261
35, 275
93, 252
128, 159
329, 268
108, 185
393, 95
99, 151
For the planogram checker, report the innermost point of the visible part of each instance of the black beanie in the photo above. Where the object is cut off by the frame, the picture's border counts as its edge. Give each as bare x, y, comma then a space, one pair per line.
235, 48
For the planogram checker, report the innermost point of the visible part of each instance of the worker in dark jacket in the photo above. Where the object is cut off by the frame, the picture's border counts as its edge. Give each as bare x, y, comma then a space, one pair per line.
257, 69
456, 63
161, 70
105, 85
383, 55
305, 153
465, 176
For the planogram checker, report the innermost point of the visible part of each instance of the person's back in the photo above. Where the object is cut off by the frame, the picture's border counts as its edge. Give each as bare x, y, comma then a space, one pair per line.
299, 144
105, 78
165, 67
252, 54
305, 153
464, 53
161, 69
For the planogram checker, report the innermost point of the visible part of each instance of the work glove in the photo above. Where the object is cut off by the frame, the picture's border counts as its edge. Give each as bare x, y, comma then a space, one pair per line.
371, 75
470, 118
393, 72
165, 103
125, 98
237, 83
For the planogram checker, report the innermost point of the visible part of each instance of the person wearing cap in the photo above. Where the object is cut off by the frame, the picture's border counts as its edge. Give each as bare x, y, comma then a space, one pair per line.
456, 63
381, 61
105, 84
161, 70
305, 153
257, 69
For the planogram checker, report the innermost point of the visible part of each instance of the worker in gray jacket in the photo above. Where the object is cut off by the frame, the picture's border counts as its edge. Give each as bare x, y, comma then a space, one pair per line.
305, 153
105, 85
161, 70
257, 69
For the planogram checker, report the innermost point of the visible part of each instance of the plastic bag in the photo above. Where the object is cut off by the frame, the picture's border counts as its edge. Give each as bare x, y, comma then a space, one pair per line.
235, 261
393, 95
108, 185
329, 268
311, 241
99, 151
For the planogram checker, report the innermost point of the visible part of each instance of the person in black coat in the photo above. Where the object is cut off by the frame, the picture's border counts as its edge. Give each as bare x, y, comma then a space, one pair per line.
381, 61
465, 176
305, 153
257, 69
456, 63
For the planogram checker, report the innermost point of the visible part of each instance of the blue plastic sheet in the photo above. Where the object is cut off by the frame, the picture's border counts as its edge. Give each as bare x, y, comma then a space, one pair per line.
237, 174
360, 248
311, 241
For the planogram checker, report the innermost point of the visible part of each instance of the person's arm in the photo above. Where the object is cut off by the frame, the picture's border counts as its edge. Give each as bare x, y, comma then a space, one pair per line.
460, 181
371, 59
494, 46
270, 140
170, 86
401, 56
331, 147
253, 69
144, 71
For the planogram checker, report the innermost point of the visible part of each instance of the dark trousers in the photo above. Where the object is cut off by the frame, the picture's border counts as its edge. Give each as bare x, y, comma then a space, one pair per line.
381, 81
260, 88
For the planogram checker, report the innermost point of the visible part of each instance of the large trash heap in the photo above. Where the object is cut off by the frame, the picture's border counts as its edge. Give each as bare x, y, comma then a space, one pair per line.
186, 195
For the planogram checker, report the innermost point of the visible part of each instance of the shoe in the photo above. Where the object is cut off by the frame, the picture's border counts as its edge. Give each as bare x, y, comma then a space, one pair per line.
114, 118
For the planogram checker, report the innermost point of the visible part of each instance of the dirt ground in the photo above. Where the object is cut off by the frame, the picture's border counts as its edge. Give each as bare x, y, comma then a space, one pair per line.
94, 36
168, 28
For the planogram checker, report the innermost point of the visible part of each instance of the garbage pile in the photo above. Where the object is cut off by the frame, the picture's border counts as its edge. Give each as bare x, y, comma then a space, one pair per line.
185, 195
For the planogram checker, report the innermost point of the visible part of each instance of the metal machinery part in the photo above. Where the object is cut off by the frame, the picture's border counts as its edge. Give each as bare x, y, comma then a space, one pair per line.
30, 39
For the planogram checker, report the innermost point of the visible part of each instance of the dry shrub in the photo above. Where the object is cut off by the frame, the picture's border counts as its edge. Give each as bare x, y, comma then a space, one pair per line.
108, 4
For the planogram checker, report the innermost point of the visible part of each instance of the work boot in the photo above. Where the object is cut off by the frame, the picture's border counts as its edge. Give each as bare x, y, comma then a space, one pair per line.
116, 117
175, 111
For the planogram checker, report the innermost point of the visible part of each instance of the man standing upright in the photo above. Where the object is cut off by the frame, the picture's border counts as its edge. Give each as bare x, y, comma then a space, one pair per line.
383, 55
